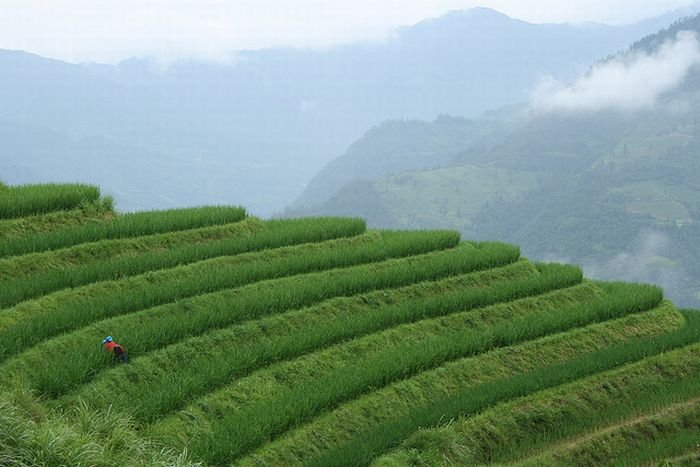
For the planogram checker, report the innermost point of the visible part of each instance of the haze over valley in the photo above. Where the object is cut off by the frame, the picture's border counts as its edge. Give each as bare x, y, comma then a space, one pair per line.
193, 132
338, 234
472, 120
601, 170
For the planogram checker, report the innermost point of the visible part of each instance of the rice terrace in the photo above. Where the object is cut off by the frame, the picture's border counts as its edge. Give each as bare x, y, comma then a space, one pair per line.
317, 341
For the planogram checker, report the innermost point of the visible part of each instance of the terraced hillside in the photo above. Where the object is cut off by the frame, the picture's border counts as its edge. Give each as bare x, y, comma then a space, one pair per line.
316, 341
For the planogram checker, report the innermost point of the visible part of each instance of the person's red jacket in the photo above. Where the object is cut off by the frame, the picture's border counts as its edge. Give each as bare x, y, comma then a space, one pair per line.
110, 346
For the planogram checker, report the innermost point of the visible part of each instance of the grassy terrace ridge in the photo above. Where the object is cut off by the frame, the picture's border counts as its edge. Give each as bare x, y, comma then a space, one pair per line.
87, 263
319, 342
637, 441
30, 322
123, 226
232, 438
286, 376
518, 428
23, 200
362, 449
85, 255
201, 375
99, 211
346, 421
199, 314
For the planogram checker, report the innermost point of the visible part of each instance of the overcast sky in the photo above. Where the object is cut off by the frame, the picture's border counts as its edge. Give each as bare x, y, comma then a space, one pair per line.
112, 30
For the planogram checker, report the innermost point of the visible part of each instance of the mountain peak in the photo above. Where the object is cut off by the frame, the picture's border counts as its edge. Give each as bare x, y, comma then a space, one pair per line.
481, 14
478, 12
458, 19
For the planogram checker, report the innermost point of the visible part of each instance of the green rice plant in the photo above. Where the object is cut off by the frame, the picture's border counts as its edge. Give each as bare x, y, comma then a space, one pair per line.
520, 427
671, 431
265, 384
363, 448
690, 458
82, 256
112, 259
160, 326
33, 321
30, 436
42, 223
263, 336
123, 226
26, 200
342, 424
94, 252
654, 395
210, 365
238, 433
665, 449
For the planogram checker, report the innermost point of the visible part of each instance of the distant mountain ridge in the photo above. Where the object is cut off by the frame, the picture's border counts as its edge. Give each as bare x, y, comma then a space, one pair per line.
255, 131
618, 192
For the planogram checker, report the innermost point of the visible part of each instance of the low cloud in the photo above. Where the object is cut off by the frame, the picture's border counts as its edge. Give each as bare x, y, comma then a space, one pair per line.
649, 258
626, 83
645, 261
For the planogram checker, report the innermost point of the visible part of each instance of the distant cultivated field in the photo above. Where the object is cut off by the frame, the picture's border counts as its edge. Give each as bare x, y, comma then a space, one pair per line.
450, 196
317, 341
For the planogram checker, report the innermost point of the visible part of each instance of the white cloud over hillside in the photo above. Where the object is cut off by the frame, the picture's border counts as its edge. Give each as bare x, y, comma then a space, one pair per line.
629, 83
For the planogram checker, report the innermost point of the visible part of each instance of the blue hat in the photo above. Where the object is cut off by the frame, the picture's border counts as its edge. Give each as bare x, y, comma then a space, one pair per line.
107, 339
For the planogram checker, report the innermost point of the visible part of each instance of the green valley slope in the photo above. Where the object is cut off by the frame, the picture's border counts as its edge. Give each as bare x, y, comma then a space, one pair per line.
617, 192
318, 342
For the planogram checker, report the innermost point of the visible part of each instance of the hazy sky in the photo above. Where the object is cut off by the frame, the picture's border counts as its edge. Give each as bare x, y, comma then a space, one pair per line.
111, 30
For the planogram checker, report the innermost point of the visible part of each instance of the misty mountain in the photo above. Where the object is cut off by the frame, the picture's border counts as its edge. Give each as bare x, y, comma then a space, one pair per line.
614, 189
256, 130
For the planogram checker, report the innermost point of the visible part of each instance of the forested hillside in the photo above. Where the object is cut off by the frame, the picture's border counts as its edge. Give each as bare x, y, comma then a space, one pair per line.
162, 135
616, 191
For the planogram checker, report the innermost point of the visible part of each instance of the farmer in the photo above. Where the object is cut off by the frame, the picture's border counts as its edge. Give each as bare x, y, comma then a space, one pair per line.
117, 350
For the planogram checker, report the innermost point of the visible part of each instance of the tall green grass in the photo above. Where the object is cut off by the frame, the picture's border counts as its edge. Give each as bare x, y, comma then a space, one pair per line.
33, 225
88, 254
331, 320
214, 365
31, 436
340, 425
363, 448
673, 389
664, 448
266, 384
158, 327
122, 258
123, 226
518, 428
26, 200
238, 433
31, 322
690, 458
671, 431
